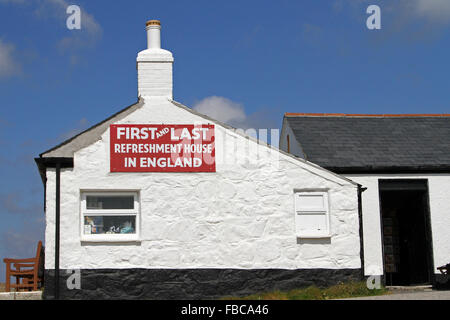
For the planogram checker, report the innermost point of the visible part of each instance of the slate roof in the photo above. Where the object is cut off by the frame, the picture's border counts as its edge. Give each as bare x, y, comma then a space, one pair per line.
365, 143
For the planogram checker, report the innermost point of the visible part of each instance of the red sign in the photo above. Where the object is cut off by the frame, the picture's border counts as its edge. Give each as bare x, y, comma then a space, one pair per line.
162, 148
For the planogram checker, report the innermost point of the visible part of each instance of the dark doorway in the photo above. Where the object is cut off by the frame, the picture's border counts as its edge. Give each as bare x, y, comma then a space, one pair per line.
407, 253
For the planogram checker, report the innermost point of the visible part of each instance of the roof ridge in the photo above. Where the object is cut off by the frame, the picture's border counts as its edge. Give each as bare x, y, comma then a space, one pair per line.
293, 114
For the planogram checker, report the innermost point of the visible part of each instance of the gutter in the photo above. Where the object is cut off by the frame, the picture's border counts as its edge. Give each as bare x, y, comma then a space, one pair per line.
361, 189
58, 163
444, 168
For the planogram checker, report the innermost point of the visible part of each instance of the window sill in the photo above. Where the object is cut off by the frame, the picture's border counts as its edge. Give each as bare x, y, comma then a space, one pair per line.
104, 238
314, 236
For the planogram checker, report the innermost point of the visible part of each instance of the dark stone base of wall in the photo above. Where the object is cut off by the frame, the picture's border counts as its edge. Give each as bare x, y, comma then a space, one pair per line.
190, 283
442, 281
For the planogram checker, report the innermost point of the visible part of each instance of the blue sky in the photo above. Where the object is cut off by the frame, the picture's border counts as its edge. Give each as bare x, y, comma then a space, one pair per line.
247, 62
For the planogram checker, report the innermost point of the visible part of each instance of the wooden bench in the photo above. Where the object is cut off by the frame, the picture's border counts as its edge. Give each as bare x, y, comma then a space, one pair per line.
29, 273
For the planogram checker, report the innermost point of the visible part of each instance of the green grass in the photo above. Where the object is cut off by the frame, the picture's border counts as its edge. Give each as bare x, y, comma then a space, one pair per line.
339, 291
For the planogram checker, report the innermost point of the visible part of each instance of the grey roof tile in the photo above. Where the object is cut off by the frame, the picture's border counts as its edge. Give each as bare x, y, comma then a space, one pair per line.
350, 141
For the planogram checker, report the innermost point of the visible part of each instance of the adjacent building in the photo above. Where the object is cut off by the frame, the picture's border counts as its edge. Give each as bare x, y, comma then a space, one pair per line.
403, 163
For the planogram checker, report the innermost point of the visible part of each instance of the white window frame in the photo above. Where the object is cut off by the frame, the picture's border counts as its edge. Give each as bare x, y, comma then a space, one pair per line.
126, 237
311, 234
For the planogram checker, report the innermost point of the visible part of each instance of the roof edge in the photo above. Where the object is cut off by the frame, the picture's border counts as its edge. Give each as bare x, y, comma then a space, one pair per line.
356, 115
235, 130
390, 169
51, 162
42, 155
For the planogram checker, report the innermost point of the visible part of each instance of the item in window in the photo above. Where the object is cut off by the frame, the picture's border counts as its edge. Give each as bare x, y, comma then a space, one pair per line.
127, 228
113, 229
87, 229
97, 220
88, 220
88, 225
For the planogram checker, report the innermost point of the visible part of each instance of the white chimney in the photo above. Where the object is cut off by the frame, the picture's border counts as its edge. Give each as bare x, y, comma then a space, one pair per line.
154, 65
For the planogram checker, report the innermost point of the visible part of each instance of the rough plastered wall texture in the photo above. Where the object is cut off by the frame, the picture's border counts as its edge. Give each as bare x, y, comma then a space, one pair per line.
155, 79
439, 195
242, 216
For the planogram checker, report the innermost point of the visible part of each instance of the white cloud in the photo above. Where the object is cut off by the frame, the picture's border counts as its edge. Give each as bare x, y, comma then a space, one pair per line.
435, 11
432, 9
8, 64
87, 36
233, 113
221, 109
13, 1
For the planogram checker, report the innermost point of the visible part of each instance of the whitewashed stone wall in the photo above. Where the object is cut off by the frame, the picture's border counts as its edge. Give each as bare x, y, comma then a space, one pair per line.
242, 216
439, 195
155, 79
154, 68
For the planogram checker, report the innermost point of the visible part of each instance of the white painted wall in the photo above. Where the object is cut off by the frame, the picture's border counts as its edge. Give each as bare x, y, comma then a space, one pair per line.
242, 216
439, 195
294, 146
154, 71
155, 79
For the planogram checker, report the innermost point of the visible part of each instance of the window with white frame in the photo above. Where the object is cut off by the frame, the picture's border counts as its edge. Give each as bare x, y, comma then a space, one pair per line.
109, 216
312, 214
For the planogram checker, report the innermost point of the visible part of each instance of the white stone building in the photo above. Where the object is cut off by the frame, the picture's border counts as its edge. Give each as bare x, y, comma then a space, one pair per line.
403, 163
254, 219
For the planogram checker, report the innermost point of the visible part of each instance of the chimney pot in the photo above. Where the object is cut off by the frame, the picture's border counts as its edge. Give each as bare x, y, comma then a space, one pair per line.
153, 28
153, 22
